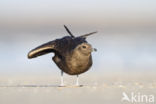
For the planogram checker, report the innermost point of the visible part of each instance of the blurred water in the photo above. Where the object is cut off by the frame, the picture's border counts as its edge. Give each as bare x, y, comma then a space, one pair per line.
117, 52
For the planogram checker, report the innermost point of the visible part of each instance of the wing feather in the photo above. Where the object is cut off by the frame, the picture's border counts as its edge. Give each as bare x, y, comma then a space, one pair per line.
42, 49
59, 46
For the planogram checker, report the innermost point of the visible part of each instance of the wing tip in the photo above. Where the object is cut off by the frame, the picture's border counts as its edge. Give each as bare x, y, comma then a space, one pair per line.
30, 55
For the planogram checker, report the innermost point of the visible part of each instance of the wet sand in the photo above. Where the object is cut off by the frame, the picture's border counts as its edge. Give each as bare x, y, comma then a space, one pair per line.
95, 89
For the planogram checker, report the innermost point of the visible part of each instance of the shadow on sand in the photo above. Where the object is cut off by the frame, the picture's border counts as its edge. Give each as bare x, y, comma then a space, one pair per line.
40, 86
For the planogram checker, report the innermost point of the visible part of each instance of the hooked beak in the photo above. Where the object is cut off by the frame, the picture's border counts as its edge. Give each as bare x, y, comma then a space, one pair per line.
94, 49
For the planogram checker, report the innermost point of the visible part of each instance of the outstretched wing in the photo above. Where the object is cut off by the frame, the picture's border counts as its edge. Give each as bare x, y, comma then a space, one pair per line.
43, 49
58, 46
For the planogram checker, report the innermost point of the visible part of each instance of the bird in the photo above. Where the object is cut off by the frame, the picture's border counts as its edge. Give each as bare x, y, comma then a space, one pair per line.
72, 54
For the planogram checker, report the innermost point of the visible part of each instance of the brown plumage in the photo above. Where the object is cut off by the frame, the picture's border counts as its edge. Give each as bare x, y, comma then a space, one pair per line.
72, 54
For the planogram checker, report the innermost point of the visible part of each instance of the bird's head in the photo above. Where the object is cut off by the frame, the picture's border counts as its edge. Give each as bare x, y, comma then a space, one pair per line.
85, 49
82, 47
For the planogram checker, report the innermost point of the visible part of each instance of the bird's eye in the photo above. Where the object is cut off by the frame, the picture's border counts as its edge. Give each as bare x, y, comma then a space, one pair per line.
83, 46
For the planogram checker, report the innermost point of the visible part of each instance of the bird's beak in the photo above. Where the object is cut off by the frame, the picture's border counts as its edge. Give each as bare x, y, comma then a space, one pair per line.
94, 49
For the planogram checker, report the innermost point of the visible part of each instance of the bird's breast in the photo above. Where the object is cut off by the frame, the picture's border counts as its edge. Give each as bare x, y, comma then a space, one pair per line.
78, 65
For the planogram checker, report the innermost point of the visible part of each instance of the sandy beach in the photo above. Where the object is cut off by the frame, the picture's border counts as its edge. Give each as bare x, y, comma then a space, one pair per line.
95, 89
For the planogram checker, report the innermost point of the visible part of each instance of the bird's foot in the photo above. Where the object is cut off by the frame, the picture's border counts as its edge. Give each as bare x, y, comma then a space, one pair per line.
78, 85
62, 85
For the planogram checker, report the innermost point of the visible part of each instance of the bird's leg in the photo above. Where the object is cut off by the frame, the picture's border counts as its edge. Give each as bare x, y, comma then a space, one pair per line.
77, 80
62, 83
